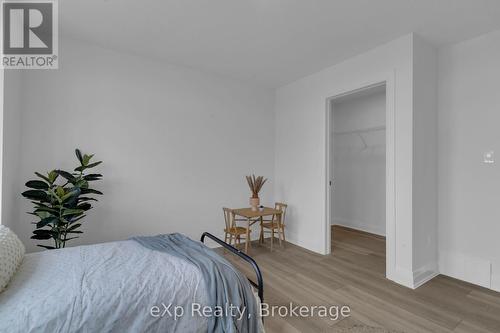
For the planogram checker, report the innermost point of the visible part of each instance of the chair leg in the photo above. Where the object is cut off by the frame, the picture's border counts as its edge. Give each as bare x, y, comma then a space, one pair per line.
247, 240
230, 239
261, 236
279, 235
272, 238
283, 232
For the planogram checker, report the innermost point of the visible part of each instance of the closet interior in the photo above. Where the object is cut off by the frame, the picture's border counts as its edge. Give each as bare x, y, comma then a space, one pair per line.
358, 167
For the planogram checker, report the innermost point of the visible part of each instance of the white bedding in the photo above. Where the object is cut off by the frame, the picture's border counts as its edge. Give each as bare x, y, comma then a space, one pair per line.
107, 287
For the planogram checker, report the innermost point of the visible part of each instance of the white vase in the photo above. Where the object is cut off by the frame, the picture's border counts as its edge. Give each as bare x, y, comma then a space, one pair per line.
254, 203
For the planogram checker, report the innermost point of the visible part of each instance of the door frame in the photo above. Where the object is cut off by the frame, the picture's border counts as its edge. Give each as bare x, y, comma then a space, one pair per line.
387, 80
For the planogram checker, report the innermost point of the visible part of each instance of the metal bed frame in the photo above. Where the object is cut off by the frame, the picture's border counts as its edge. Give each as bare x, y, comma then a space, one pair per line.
260, 283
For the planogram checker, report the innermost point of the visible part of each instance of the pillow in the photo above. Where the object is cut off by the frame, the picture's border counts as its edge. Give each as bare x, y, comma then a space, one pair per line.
11, 255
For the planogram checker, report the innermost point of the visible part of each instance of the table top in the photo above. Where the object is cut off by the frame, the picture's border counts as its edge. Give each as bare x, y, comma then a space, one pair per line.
249, 213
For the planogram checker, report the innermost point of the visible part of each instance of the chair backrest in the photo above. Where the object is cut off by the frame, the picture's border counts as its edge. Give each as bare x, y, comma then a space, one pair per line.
228, 217
281, 207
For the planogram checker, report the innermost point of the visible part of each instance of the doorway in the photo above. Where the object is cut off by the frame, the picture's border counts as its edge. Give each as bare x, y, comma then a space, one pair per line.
360, 177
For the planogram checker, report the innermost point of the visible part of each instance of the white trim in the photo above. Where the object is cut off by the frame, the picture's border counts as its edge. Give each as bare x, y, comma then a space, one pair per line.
358, 225
467, 268
390, 160
495, 282
424, 275
328, 176
388, 79
401, 276
363, 130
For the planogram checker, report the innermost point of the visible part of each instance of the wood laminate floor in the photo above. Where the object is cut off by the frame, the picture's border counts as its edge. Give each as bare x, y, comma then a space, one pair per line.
353, 275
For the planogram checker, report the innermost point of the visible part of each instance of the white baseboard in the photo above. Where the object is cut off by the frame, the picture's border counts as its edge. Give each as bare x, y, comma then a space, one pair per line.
413, 279
401, 276
424, 274
467, 268
359, 226
292, 238
495, 282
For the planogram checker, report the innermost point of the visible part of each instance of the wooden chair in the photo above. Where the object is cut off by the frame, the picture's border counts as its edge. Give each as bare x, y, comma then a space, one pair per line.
231, 230
277, 223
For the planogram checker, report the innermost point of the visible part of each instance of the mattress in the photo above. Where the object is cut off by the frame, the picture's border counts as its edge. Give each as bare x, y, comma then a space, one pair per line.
111, 287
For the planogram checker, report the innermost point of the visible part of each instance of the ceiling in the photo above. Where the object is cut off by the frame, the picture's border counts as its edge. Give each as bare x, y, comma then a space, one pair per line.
269, 42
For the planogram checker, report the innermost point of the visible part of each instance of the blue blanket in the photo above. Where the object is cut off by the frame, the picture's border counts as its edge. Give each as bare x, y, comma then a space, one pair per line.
109, 287
227, 288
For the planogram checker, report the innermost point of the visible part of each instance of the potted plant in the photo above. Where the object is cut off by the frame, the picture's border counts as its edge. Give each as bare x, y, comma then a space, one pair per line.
255, 184
61, 199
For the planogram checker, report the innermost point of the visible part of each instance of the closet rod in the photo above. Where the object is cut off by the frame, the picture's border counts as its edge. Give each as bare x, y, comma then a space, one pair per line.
363, 130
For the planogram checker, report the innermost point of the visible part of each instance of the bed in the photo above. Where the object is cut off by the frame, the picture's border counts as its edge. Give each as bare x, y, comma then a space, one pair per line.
127, 286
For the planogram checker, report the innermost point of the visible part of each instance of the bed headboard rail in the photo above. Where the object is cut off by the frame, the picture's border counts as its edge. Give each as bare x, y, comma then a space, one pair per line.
259, 284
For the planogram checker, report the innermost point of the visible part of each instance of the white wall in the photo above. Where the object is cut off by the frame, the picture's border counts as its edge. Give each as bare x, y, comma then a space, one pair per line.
300, 168
173, 138
469, 196
2, 131
425, 250
12, 185
359, 170
176, 143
